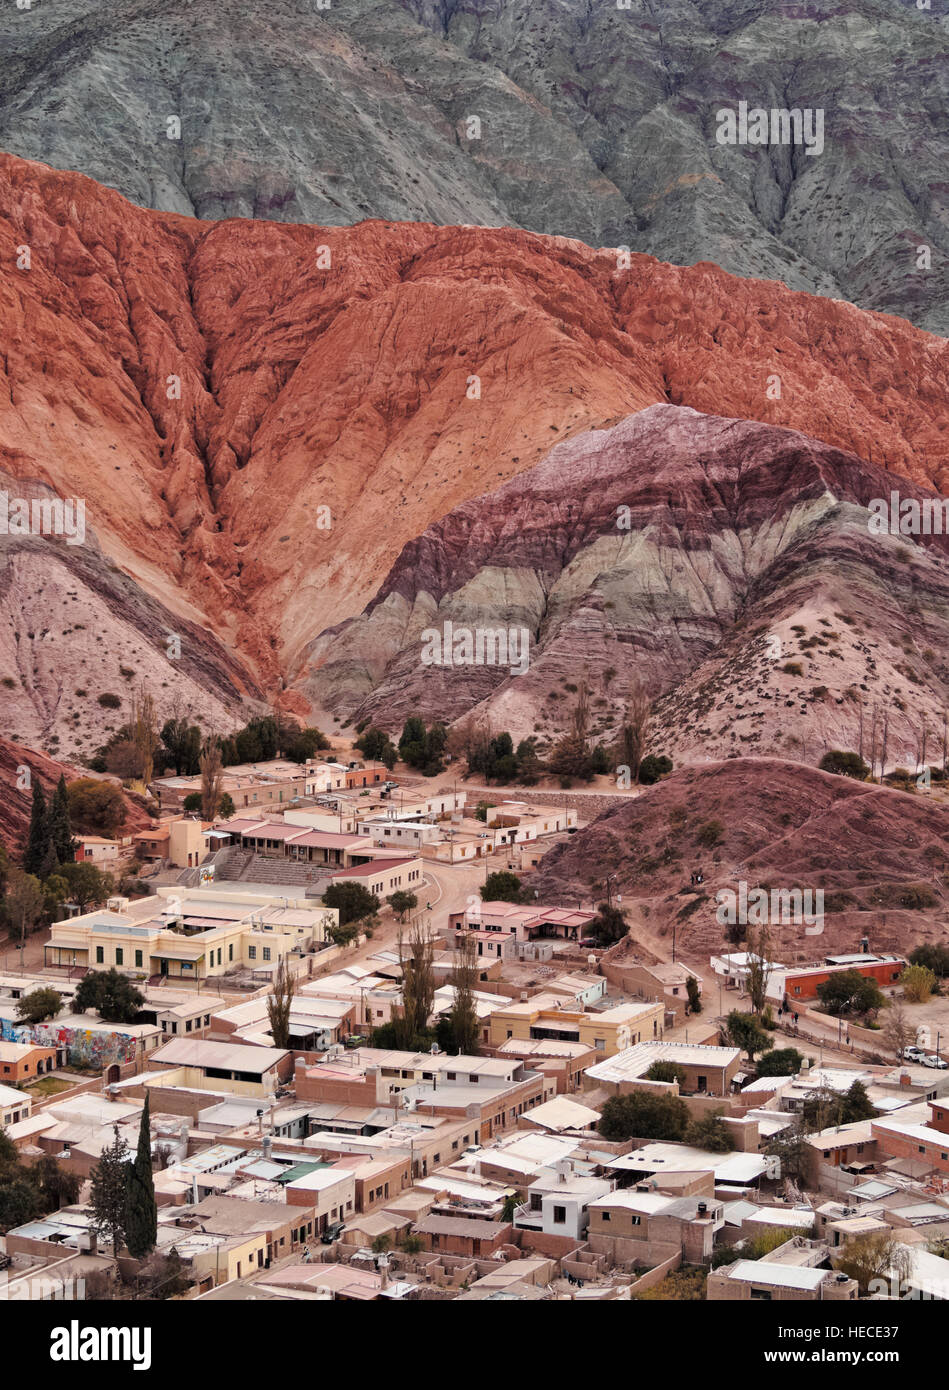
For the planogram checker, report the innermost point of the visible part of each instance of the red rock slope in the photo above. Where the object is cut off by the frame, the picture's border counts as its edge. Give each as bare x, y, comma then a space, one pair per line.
209, 388
15, 802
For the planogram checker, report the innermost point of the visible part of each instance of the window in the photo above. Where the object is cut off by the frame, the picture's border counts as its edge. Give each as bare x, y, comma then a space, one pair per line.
138, 958
560, 1216
763, 1294
100, 955
119, 956
599, 1044
266, 953
252, 953
605, 1215
230, 951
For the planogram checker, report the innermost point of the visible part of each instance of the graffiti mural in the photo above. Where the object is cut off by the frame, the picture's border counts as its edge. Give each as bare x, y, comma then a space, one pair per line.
85, 1047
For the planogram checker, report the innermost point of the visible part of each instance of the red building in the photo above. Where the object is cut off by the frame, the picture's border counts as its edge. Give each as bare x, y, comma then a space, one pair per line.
801, 985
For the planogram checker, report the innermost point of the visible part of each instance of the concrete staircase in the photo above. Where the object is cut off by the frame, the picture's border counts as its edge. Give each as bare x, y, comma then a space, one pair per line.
244, 866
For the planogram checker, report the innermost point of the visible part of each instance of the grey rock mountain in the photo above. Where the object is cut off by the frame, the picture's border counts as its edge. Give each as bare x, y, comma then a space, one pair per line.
596, 122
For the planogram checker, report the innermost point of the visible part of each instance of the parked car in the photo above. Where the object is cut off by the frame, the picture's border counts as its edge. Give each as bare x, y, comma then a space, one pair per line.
936, 1062
332, 1233
913, 1054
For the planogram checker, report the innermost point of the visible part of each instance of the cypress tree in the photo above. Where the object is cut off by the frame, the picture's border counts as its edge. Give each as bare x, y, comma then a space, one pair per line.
38, 838
141, 1223
60, 830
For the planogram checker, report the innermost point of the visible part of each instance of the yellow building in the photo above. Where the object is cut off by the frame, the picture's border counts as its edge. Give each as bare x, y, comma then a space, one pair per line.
608, 1032
193, 933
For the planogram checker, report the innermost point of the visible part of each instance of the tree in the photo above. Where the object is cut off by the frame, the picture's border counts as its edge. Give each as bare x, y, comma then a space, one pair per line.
845, 764
96, 807
897, 1031
652, 768
710, 1132
352, 900
633, 728
58, 1186
39, 1005
918, 982
875, 1255
825, 1108
124, 759
301, 746
279, 1001
759, 968
24, 905
667, 1071
780, 1061
412, 741
502, 887
509, 1206
192, 802
402, 903
857, 1105
935, 958
571, 758
182, 746
226, 807
797, 1156
86, 884
849, 992
695, 998
212, 774
376, 745
462, 1016
609, 925
643, 1115
745, 1032
163, 1277
37, 840
60, 826
111, 994
528, 762
141, 1221
418, 984
108, 1196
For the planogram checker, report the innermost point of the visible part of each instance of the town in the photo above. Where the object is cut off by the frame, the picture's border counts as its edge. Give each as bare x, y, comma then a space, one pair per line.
334, 1046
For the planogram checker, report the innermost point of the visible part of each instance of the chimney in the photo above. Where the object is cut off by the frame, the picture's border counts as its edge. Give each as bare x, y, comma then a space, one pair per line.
382, 1264
266, 1147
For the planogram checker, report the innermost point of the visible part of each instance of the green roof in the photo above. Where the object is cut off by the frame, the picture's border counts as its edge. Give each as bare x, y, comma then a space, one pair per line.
300, 1170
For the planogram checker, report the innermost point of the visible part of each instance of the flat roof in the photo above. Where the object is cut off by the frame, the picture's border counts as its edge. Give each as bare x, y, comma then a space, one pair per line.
200, 1052
633, 1062
778, 1275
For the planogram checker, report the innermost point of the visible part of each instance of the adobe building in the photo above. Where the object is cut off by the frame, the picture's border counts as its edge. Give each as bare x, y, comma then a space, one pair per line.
709, 1071
24, 1061
606, 1031
798, 986
649, 1227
